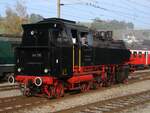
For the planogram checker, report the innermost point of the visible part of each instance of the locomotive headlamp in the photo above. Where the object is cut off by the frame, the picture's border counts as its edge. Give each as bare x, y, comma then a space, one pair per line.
32, 32
19, 69
45, 70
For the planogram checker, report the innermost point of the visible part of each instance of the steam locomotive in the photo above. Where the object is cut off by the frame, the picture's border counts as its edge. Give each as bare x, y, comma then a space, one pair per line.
57, 55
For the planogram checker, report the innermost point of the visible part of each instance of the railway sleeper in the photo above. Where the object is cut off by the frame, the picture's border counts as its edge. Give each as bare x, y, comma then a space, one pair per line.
88, 111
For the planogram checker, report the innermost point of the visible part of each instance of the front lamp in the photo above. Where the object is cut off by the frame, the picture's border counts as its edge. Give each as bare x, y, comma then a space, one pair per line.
19, 69
45, 70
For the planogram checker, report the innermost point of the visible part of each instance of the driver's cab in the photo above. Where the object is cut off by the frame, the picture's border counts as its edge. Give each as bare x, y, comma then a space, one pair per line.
81, 38
82, 41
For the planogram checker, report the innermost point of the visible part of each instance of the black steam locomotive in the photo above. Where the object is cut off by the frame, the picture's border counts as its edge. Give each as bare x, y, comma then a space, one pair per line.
58, 55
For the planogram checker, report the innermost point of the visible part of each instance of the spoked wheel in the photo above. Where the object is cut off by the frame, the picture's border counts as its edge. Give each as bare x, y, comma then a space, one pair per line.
59, 91
104, 83
95, 85
89, 86
27, 92
83, 87
50, 91
120, 77
108, 83
122, 74
125, 81
86, 86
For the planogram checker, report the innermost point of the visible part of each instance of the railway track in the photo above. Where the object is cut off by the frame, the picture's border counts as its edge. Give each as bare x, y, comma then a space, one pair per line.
9, 104
135, 75
139, 75
15, 104
112, 105
8, 87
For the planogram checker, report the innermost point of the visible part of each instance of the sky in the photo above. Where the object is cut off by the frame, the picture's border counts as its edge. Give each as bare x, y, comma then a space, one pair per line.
135, 11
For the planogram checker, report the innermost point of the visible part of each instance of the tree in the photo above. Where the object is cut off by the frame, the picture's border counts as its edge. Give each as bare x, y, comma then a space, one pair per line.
1, 18
110, 25
15, 18
146, 34
35, 18
21, 10
130, 25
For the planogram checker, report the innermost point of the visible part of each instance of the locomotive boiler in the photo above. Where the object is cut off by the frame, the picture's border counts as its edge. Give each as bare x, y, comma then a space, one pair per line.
58, 55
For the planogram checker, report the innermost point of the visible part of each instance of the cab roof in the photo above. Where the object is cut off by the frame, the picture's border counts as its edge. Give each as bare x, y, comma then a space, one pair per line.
63, 22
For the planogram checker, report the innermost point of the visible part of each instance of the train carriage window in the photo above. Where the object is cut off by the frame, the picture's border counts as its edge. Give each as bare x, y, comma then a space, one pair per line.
140, 54
134, 54
145, 54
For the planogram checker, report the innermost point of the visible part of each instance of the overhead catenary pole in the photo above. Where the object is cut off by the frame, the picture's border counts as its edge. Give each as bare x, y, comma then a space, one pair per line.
58, 8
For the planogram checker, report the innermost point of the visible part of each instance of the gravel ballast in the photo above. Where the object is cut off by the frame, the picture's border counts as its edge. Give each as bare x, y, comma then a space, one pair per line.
142, 108
90, 97
10, 93
6, 84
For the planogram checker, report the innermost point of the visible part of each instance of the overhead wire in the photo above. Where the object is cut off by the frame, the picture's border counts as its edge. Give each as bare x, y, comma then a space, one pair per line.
110, 10
139, 4
139, 10
88, 13
46, 11
143, 23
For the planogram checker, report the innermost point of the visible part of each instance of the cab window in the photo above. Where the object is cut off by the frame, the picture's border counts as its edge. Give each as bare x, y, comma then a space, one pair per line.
65, 39
74, 36
90, 39
84, 38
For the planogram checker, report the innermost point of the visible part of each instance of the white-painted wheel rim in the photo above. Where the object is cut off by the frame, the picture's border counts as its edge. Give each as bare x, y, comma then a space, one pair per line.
38, 78
11, 79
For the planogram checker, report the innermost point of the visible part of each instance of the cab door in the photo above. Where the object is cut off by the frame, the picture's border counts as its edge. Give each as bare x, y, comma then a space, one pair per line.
54, 53
66, 52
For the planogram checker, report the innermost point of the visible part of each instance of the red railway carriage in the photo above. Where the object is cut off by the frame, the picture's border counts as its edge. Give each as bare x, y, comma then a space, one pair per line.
140, 59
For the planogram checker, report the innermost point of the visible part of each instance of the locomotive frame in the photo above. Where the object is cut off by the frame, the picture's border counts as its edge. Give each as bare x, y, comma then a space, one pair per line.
51, 59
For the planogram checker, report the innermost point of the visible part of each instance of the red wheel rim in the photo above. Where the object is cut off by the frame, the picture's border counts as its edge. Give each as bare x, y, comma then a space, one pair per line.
83, 88
59, 91
51, 92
